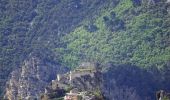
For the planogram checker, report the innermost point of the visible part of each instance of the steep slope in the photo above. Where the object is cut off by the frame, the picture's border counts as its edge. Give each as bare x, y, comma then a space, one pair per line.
129, 82
30, 25
133, 32
30, 80
69, 32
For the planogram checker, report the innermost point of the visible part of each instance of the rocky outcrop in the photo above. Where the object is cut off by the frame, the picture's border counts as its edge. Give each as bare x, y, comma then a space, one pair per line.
162, 95
168, 6
85, 83
29, 81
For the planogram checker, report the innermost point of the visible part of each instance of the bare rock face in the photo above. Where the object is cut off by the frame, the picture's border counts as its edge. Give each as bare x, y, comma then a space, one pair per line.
168, 6
29, 81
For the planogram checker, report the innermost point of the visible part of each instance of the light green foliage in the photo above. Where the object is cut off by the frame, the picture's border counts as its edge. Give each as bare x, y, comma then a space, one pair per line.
144, 41
123, 6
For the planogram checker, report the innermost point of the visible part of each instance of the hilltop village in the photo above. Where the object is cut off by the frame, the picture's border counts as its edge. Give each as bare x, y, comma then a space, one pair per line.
82, 83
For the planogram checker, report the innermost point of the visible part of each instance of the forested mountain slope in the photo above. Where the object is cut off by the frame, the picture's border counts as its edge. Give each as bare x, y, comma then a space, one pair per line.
132, 32
69, 32
36, 25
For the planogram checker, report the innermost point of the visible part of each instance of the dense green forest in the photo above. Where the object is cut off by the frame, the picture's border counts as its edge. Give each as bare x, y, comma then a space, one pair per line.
36, 26
128, 33
133, 32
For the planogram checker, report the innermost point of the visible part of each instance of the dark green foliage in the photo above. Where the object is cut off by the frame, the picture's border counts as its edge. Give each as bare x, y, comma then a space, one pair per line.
112, 15
114, 24
91, 28
59, 94
30, 25
73, 31
14, 24
137, 2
